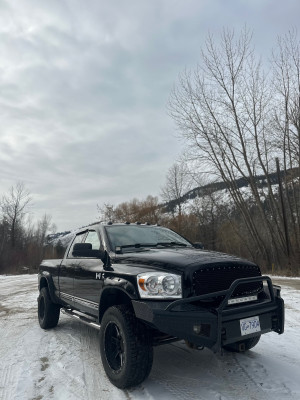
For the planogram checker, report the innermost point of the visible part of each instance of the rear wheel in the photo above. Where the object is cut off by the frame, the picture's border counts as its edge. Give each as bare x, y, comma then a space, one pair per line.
48, 312
242, 345
125, 347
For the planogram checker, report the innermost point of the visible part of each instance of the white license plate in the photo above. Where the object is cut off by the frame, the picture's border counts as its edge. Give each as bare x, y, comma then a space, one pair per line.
249, 325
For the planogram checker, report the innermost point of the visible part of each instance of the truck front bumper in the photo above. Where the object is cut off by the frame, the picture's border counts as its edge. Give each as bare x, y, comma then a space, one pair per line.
191, 320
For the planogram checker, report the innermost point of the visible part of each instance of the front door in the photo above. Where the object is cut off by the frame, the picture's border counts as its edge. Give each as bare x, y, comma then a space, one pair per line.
67, 273
88, 279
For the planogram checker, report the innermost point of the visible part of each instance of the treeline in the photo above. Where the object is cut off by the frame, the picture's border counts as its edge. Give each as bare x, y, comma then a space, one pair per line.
22, 243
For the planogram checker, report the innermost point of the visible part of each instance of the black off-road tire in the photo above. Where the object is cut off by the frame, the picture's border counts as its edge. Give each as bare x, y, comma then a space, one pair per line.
125, 347
243, 345
48, 312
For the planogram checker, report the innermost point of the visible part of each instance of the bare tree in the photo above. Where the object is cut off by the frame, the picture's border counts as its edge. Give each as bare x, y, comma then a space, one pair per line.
14, 207
178, 182
22, 241
44, 227
107, 212
224, 110
147, 210
286, 64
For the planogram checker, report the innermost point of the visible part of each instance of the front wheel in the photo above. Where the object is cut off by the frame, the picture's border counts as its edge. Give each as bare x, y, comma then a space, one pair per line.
125, 346
242, 345
48, 312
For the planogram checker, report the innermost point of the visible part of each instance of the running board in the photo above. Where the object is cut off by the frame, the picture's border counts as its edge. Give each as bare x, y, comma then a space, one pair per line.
81, 317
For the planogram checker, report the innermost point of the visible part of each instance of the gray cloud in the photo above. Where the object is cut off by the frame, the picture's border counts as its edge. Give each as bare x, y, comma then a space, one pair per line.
84, 88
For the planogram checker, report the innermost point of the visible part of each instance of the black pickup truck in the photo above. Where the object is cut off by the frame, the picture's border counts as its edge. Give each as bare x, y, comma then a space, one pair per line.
144, 285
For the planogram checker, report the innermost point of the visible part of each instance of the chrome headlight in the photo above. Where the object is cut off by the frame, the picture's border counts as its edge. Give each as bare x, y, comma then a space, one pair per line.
159, 285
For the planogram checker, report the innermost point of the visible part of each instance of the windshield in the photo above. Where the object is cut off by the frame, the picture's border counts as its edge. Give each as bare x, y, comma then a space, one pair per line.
143, 235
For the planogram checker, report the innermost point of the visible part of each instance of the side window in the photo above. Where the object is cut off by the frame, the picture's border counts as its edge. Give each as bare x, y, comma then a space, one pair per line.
78, 239
92, 237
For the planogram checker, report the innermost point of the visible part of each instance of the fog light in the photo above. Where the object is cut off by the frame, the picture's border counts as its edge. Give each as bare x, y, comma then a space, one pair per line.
197, 329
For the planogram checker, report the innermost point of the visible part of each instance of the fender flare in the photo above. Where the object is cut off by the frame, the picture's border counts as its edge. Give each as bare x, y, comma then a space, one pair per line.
46, 280
114, 294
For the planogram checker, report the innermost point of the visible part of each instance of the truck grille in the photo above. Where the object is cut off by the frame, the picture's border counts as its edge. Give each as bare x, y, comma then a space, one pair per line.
217, 277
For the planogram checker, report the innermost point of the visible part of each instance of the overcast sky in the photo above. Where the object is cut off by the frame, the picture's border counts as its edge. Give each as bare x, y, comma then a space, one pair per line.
84, 87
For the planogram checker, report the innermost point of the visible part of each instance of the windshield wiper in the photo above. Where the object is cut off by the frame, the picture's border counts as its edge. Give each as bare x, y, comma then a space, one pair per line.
166, 244
118, 249
137, 245
134, 245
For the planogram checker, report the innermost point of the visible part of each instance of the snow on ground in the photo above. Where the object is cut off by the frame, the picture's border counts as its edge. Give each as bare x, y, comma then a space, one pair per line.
64, 363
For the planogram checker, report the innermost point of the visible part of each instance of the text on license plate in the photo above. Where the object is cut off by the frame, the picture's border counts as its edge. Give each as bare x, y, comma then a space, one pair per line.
249, 325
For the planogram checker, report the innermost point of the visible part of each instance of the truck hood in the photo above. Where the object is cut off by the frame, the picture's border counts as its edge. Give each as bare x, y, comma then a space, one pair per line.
177, 259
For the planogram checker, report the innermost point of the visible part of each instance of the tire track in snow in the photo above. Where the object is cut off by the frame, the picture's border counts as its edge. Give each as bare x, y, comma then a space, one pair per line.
257, 367
93, 372
89, 340
174, 386
12, 359
80, 363
180, 372
239, 383
200, 375
6, 383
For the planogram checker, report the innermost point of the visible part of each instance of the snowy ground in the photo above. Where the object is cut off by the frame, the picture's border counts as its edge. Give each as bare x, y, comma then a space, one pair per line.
64, 363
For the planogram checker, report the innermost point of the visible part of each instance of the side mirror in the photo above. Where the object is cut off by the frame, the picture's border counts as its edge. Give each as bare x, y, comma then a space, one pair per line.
86, 250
